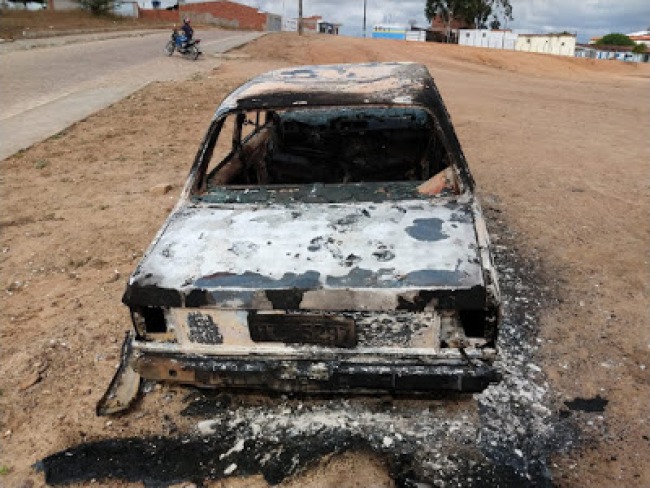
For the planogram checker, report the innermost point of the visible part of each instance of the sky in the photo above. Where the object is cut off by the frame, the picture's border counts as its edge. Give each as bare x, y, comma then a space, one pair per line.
586, 18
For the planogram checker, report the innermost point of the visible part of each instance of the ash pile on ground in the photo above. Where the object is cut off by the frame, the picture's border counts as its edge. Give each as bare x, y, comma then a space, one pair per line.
500, 437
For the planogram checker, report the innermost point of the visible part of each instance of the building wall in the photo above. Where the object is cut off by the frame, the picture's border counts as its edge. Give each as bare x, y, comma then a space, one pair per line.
241, 16
416, 36
126, 9
157, 4
64, 5
31, 6
222, 13
389, 32
562, 45
171, 16
437, 23
494, 39
290, 25
593, 52
273, 23
310, 24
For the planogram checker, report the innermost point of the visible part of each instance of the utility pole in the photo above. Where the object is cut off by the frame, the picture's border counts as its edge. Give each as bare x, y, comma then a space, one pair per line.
364, 18
300, 17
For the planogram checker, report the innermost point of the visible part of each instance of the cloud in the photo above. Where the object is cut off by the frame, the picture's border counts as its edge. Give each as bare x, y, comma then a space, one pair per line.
587, 18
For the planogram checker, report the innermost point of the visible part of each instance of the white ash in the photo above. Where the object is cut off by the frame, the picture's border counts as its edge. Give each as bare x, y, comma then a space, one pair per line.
502, 436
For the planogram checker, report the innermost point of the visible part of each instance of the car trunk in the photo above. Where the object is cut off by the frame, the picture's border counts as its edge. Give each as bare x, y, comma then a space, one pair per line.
362, 255
370, 295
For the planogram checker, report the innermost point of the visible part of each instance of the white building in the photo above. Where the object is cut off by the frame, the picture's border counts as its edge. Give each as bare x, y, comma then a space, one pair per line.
494, 39
558, 44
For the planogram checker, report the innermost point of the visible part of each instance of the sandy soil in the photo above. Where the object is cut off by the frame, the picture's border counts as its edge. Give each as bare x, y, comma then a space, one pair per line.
558, 148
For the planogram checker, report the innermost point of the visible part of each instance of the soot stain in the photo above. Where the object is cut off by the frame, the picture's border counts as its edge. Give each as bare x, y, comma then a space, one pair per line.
595, 404
427, 230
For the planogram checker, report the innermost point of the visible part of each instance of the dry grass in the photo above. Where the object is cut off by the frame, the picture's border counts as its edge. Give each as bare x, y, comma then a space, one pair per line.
22, 24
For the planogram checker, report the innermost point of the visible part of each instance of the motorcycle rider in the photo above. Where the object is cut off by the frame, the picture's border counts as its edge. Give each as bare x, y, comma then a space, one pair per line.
187, 30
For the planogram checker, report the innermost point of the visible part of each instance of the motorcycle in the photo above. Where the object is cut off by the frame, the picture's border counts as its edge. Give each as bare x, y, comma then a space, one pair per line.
178, 42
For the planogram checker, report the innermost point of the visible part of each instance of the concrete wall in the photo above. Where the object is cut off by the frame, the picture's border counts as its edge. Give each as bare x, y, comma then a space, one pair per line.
126, 9
416, 36
171, 16
32, 6
562, 45
65, 5
222, 13
494, 39
241, 16
593, 52
389, 32
290, 25
273, 23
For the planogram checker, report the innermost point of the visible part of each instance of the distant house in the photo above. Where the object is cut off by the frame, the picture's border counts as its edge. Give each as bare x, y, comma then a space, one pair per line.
62, 5
328, 28
441, 32
314, 24
389, 32
22, 5
563, 44
640, 37
620, 53
558, 44
310, 24
494, 39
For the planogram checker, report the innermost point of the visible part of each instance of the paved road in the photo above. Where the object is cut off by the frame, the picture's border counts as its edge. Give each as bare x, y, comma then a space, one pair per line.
44, 89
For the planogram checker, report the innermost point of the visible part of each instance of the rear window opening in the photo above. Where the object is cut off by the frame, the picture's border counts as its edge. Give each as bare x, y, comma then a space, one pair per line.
328, 146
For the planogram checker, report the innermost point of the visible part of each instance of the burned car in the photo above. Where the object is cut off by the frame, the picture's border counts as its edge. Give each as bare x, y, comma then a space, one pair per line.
328, 239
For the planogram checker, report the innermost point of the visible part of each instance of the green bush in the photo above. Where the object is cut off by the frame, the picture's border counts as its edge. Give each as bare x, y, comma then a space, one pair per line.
615, 39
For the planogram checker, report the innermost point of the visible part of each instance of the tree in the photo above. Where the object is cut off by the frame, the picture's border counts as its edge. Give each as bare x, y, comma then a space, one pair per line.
97, 7
640, 49
615, 39
447, 10
495, 24
474, 12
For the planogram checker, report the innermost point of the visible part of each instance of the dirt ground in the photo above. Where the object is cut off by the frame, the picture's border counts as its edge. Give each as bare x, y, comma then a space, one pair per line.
558, 147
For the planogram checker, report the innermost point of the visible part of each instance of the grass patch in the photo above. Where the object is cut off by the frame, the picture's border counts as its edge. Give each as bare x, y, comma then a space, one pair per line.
40, 164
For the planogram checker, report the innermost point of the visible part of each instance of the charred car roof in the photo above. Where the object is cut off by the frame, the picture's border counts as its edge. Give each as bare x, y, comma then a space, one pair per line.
335, 85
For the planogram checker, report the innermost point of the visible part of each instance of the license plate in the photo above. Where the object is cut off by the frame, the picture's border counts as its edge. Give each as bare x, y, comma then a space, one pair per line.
323, 330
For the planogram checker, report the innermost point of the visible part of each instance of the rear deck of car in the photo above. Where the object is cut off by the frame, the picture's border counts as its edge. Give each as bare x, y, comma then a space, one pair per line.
312, 257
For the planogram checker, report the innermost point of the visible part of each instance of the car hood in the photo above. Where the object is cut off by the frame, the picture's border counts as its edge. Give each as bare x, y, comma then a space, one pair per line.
327, 256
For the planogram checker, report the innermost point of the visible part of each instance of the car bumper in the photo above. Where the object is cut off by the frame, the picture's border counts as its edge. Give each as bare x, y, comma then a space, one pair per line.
392, 372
